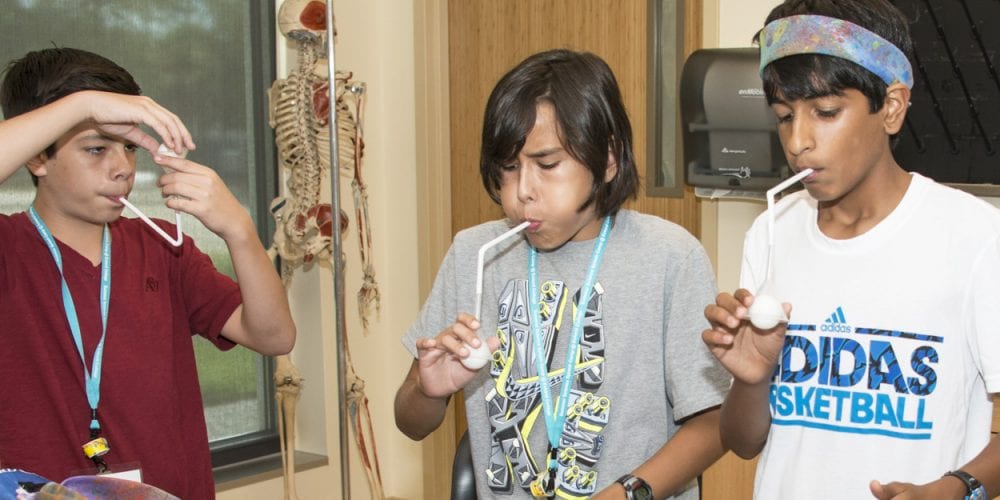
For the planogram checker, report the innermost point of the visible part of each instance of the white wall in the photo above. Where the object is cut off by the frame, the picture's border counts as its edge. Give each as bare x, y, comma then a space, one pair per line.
375, 41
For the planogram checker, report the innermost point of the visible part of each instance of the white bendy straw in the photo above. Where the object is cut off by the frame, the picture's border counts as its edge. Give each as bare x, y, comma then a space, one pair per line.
482, 254
766, 311
175, 241
771, 193
179, 239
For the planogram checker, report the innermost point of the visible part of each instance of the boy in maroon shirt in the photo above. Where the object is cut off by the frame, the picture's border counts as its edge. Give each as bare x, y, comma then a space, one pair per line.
97, 360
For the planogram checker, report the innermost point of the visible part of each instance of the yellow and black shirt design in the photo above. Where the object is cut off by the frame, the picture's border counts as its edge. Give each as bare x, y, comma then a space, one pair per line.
514, 405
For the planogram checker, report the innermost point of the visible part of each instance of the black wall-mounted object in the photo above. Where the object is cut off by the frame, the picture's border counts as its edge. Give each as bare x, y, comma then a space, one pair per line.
729, 134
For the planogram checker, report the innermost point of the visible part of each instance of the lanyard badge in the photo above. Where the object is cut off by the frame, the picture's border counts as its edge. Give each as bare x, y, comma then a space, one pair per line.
544, 484
97, 446
555, 414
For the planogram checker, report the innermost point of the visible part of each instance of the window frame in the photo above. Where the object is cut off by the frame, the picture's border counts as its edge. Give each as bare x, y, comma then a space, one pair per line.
263, 22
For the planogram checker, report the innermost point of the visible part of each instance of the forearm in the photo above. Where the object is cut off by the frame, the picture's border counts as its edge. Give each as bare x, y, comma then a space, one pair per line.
25, 136
694, 447
986, 468
746, 418
417, 415
265, 318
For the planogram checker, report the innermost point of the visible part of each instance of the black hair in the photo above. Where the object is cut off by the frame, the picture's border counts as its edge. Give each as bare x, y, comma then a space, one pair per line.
589, 111
44, 76
807, 76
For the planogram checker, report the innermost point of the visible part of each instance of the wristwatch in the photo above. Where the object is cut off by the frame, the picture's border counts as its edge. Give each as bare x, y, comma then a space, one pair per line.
974, 489
635, 488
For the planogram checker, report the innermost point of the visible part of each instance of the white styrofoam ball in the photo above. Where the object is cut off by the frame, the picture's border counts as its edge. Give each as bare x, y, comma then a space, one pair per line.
478, 357
165, 151
766, 312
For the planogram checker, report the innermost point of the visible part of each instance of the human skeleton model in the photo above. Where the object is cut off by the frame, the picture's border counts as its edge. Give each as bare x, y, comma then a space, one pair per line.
299, 116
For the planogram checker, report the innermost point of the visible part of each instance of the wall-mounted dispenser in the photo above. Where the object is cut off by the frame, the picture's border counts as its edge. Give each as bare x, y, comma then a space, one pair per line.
730, 138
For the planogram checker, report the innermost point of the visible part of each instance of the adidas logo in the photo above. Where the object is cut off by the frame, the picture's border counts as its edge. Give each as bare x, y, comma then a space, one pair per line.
836, 323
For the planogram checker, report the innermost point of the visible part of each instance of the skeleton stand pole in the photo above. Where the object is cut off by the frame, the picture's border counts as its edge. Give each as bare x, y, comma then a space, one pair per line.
338, 261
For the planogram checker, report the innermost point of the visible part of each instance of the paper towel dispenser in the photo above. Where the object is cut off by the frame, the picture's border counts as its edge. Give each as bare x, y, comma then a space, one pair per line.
729, 132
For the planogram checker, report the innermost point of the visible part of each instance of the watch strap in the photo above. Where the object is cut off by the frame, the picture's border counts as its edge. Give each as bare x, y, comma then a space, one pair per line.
974, 489
635, 487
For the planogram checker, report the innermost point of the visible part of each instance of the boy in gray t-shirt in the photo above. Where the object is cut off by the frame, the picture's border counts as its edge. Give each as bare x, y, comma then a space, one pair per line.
636, 409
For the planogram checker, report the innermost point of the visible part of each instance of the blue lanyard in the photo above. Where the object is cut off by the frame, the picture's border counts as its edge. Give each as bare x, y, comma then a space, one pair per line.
555, 418
92, 377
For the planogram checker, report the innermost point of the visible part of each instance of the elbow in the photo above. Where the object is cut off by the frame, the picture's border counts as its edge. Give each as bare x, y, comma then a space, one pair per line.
742, 448
410, 433
287, 340
746, 453
406, 423
282, 342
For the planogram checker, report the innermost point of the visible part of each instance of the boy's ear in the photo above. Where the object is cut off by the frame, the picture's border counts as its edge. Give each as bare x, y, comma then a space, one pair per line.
38, 164
897, 103
612, 170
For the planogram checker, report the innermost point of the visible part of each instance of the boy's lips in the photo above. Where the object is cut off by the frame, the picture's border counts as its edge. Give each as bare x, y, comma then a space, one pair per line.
810, 177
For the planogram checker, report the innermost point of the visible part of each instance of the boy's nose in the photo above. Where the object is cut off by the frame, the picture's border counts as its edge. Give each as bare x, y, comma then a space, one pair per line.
525, 185
799, 139
122, 164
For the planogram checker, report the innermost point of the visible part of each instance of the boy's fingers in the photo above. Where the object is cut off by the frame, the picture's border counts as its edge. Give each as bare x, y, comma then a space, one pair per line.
721, 316
716, 338
468, 319
175, 162
170, 127
144, 141
742, 295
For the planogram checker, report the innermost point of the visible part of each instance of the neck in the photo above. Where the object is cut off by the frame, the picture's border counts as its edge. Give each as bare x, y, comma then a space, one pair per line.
867, 205
591, 229
82, 236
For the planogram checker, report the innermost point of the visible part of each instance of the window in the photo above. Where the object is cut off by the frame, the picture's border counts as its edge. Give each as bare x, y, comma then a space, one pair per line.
210, 63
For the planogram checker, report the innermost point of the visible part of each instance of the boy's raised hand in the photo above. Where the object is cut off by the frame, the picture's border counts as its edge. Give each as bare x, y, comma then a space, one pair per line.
440, 358
198, 190
120, 115
747, 352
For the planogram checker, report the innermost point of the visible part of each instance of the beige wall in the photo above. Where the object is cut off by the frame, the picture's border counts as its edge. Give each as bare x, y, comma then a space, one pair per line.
376, 42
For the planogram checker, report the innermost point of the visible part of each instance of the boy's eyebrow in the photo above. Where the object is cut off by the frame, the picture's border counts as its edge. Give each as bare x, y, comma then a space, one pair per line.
777, 100
544, 152
96, 136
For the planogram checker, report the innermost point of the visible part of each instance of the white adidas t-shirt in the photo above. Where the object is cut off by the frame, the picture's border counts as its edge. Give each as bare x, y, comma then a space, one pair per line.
891, 348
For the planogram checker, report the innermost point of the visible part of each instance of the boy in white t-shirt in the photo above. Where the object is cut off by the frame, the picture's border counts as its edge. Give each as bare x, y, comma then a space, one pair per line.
880, 382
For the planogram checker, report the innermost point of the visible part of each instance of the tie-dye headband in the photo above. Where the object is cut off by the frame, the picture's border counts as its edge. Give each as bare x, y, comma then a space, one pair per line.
810, 34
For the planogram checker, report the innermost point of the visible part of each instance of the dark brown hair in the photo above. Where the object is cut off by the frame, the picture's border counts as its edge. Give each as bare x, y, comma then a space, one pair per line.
589, 111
